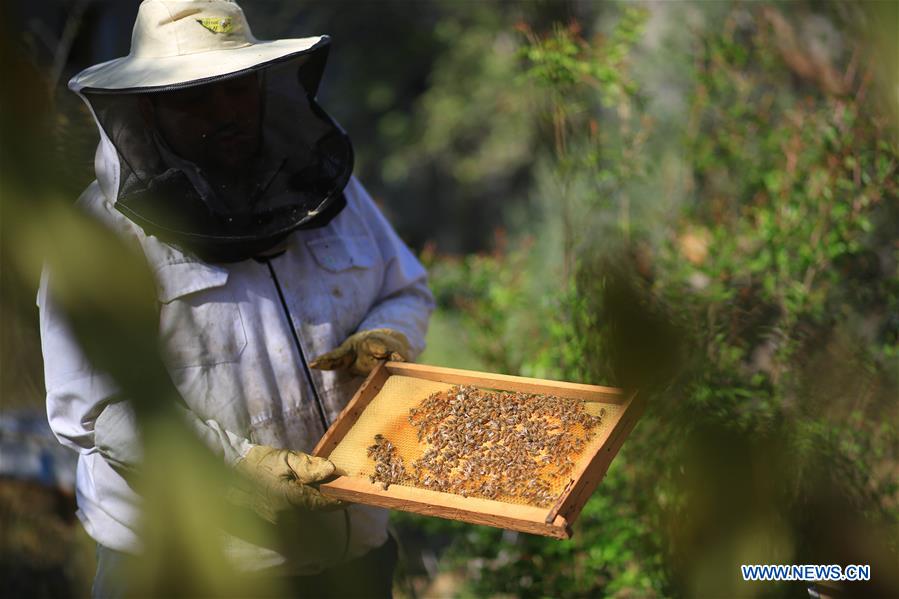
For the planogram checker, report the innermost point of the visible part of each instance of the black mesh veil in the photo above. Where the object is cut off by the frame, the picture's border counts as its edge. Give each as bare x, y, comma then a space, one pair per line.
226, 168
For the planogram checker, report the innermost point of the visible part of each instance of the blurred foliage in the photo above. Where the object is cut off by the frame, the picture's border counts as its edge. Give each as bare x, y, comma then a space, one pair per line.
756, 312
108, 296
697, 200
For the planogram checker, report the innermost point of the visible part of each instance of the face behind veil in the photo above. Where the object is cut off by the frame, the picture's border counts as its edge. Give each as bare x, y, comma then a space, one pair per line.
226, 169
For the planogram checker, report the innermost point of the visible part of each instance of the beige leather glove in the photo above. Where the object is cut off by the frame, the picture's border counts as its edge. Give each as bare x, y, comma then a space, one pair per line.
282, 479
362, 351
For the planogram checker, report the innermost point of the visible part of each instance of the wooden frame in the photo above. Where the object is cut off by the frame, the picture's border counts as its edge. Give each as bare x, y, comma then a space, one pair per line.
555, 522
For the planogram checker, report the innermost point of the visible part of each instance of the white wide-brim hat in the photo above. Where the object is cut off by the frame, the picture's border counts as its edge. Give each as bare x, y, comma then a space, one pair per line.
179, 42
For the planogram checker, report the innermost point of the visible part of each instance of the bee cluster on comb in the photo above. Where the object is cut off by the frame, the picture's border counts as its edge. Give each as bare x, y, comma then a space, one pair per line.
491, 444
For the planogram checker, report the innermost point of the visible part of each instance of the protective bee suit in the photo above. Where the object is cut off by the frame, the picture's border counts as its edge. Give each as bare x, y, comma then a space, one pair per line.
257, 273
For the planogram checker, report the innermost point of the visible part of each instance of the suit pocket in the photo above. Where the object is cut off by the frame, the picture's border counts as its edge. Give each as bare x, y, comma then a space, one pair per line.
199, 322
348, 276
338, 254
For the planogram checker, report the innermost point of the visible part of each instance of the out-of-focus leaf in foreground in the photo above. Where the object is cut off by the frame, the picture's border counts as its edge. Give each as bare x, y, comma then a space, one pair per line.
108, 296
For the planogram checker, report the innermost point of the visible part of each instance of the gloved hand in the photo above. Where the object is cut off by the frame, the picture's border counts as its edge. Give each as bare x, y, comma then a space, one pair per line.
282, 479
362, 351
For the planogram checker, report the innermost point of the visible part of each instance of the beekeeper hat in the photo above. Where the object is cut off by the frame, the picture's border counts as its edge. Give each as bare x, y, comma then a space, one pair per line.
175, 42
295, 178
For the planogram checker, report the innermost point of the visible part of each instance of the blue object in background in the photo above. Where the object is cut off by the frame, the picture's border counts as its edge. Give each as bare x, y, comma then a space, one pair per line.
29, 451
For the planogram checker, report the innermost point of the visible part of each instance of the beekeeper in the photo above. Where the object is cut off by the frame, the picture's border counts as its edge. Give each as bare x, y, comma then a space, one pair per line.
217, 161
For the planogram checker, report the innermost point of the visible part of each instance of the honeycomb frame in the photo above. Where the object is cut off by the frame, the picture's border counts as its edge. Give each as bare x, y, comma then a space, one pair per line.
381, 406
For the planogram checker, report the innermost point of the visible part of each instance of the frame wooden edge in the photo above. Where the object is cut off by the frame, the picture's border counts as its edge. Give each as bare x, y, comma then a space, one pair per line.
473, 510
560, 502
366, 392
511, 383
597, 467
572, 490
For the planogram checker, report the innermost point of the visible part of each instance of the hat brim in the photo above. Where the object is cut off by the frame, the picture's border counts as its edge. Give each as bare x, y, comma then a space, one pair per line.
137, 74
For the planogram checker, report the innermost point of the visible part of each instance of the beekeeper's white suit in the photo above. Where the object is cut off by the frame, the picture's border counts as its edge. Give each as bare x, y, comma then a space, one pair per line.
237, 335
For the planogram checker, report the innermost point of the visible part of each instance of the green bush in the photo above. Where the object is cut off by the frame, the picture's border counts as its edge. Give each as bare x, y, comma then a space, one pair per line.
755, 311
